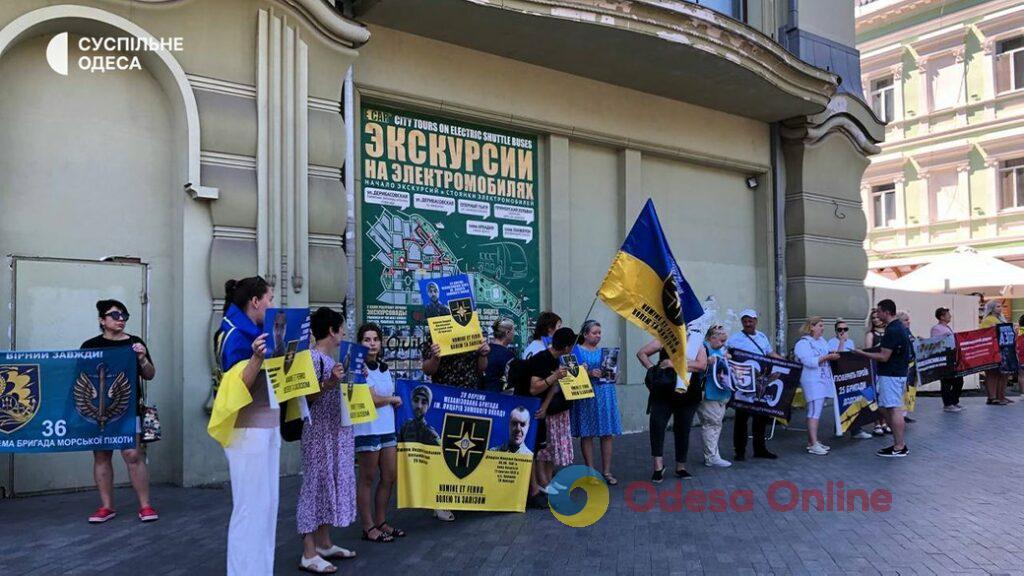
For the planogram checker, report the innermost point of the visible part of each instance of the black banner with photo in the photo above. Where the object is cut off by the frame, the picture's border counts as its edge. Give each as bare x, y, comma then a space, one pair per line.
763, 385
855, 401
1007, 335
936, 358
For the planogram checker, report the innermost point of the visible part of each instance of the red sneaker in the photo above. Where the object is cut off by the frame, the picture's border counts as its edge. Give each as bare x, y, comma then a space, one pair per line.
102, 515
147, 514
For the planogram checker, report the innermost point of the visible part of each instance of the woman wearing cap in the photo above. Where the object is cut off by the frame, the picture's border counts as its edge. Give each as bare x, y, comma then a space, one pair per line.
816, 378
950, 387
995, 380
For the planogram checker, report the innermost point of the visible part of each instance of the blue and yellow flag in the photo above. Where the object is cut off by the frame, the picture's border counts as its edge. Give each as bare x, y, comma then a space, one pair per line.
645, 285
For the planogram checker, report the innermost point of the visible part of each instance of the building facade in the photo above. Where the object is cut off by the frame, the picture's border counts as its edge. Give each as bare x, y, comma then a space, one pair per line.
948, 79
308, 142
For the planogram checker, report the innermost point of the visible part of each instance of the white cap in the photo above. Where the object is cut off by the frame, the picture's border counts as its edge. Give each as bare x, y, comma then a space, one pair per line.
749, 312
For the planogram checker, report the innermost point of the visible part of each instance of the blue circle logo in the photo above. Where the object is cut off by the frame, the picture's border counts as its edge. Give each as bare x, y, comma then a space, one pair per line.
579, 514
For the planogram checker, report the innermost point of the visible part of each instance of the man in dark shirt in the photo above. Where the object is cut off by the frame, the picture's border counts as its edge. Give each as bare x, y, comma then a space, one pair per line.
893, 364
113, 316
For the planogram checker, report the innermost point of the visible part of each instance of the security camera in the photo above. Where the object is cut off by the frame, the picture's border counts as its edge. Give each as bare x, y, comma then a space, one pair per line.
752, 182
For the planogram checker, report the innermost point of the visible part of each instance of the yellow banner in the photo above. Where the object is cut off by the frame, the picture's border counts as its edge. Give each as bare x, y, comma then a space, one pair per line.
576, 385
910, 398
454, 337
498, 483
360, 403
292, 375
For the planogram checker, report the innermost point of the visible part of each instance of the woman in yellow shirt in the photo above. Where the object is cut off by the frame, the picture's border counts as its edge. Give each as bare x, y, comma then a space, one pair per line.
995, 380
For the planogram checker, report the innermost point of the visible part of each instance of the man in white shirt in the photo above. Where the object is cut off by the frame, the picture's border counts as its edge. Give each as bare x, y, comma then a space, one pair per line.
750, 339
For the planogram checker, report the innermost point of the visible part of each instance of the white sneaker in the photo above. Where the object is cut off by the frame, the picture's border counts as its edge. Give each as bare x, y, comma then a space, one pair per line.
719, 463
953, 409
444, 515
826, 448
550, 489
558, 486
817, 450
862, 435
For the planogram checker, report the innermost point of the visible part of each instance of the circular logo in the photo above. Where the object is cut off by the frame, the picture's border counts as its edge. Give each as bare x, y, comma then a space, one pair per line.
579, 514
670, 301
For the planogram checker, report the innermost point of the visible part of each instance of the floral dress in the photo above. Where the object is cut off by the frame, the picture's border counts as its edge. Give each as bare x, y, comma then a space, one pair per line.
328, 493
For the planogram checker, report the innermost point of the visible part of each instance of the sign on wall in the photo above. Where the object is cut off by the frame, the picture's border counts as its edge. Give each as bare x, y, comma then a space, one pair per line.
440, 197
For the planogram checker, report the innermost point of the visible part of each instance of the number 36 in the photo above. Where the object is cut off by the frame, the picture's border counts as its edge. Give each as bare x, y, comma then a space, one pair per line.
58, 428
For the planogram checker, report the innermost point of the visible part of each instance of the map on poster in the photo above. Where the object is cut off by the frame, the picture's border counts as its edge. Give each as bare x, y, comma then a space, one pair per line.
440, 197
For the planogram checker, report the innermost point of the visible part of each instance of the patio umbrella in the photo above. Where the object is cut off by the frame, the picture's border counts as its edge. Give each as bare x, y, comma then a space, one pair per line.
876, 280
965, 271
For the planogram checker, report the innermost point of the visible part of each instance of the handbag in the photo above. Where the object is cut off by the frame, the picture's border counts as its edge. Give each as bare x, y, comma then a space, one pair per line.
660, 381
151, 429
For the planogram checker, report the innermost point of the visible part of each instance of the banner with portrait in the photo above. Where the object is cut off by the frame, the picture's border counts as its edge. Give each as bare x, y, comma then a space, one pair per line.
461, 449
977, 351
355, 392
451, 314
610, 364
763, 385
288, 362
1007, 348
65, 401
935, 358
855, 401
576, 384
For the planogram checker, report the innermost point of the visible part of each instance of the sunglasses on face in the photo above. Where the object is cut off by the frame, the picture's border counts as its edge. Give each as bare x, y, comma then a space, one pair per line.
842, 329
117, 316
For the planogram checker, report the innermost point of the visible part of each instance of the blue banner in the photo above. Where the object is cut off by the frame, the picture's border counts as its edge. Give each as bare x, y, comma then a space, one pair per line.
64, 401
288, 330
353, 357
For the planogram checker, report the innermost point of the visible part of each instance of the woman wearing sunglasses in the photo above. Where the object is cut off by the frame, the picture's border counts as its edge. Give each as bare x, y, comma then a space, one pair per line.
841, 342
113, 315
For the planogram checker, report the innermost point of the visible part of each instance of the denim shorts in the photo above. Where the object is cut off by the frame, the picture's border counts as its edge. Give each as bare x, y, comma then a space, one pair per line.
375, 442
890, 391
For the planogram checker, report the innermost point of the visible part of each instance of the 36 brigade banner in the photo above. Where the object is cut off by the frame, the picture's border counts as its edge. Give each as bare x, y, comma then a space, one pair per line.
440, 197
461, 449
763, 385
451, 314
576, 384
64, 401
936, 358
855, 402
977, 351
288, 363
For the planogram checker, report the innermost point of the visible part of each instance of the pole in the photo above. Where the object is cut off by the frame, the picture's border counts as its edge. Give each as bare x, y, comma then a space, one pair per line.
589, 310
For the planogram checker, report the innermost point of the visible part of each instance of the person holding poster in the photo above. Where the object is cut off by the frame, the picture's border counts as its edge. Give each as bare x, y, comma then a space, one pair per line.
717, 393
752, 340
455, 351
893, 365
816, 378
545, 371
113, 315
328, 493
245, 403
951, 388
995, 380
376, 443
458, 370
596, 417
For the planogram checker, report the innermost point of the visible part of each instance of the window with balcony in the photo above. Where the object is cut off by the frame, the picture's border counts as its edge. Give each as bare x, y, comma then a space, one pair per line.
1010, 64
948, 201
883, 98
733, 8
883, 205
1011, 183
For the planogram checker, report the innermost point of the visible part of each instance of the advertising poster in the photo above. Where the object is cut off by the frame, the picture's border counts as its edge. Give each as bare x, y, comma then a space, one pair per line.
977, 351
463, 449
935, 357
451, 314
576, 384
855, 401
763, 385
65, 401
440, 197
289, 364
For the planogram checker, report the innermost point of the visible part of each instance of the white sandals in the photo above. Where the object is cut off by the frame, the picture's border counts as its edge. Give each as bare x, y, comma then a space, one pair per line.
316, 565
335, 551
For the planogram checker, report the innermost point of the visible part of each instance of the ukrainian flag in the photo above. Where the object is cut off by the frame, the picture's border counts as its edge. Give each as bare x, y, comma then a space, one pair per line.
645, 285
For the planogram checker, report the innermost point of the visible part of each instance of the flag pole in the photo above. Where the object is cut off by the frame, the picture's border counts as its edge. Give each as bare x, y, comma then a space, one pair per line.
587, 316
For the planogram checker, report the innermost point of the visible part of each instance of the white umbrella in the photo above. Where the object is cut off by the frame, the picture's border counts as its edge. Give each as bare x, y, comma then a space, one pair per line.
876, 280
964, 270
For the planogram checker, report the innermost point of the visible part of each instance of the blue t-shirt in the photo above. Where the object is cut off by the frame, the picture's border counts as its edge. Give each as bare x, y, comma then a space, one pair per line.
493, 379
897, 340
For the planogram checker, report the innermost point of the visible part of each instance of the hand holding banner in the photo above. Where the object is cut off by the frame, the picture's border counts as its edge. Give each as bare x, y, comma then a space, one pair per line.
855, 391
355, 392
288, 362
576, 384
763, 385
451, 314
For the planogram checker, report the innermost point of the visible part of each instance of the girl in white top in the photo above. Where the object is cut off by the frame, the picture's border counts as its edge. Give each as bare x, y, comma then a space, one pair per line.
816, 379
376, 444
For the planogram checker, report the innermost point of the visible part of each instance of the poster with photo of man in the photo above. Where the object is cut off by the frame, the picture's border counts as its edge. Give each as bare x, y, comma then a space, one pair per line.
763, 385
288, 363
451, 314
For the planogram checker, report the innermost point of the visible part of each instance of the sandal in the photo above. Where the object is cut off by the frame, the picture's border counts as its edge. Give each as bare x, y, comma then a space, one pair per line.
382, 536
610, 479
335, 552
393, 532
317, 565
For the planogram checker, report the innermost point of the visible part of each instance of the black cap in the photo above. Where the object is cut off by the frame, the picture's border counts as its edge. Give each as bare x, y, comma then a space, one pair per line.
940, 311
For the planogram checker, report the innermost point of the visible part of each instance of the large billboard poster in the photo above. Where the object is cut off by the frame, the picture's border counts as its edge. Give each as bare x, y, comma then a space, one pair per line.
441, 197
